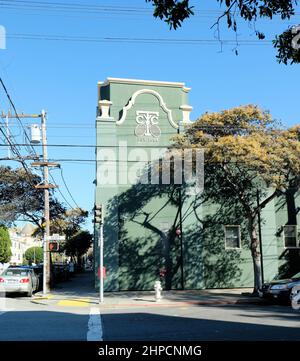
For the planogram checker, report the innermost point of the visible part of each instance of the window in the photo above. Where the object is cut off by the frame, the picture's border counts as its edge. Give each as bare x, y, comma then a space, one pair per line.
290, 236
232, 237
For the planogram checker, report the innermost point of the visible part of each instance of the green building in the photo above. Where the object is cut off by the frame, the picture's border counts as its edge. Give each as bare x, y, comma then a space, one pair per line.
151, 231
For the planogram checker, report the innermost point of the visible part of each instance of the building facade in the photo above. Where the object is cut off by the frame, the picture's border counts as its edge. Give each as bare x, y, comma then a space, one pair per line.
151, 229
21, 240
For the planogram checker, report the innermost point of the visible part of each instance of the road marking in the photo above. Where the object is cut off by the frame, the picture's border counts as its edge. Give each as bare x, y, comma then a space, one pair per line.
95, 332
74, 303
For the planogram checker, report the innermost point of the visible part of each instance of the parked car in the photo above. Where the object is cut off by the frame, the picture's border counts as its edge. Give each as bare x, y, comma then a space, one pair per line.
19, 280
280, 289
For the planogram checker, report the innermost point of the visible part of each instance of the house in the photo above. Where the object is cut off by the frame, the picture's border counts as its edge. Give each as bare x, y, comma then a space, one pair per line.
21, 240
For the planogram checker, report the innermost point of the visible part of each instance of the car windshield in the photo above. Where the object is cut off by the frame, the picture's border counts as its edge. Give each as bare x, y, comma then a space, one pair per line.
297, 275
15, 272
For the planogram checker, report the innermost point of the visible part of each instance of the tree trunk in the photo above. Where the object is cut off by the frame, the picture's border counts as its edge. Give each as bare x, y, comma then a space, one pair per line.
255, 252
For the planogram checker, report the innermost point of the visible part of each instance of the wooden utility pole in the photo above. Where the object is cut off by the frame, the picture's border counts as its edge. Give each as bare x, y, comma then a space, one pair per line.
45, 186
46, 278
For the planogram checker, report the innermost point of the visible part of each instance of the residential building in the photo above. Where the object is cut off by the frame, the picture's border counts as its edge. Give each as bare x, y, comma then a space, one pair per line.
149, 234
21, 240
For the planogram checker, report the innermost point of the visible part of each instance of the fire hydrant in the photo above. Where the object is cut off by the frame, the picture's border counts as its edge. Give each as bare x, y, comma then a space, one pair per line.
158, 289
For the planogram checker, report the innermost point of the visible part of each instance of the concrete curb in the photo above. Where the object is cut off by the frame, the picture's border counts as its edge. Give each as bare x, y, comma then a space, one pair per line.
183, 303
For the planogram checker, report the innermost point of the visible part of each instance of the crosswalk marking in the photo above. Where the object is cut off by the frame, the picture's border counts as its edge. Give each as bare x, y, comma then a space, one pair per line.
95, 331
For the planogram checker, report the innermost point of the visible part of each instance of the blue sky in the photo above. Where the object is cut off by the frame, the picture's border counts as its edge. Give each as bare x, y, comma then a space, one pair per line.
62, 76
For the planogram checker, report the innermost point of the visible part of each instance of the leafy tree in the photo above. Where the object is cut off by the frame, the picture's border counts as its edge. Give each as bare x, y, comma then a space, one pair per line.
20, 200
5, 245
174, 12
69, 222
34, 255
246, 152
78, 244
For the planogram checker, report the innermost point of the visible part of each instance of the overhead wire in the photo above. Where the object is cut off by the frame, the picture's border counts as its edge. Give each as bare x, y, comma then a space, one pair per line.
67, 188
16, 114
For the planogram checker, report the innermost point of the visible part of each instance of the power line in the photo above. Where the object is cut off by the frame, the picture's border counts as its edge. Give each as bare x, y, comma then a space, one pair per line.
16, 113
88, 7
126, 40
65, 199
67, 188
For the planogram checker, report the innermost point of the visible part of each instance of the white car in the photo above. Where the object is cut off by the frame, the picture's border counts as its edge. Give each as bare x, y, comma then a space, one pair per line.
18, 280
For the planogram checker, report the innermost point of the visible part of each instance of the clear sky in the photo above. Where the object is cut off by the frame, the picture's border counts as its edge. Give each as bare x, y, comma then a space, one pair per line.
61, 76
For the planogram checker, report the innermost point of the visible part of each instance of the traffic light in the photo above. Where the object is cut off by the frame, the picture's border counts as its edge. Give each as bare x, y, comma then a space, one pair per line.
53, 246
98, 214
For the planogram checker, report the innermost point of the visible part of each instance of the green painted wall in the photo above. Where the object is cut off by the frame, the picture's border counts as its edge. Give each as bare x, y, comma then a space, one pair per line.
139, 237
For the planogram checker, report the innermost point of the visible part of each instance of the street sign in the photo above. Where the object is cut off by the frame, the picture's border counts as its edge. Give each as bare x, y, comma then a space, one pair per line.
56, 237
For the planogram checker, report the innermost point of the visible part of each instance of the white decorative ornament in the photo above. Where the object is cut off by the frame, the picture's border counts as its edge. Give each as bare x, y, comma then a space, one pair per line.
147, 124
157, 96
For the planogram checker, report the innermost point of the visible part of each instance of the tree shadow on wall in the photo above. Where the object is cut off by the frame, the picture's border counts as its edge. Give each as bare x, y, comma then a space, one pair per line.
152, 251
206, 257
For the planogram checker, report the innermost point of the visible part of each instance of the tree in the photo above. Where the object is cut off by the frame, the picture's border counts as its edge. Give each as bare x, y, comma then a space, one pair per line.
69, 222
5, 245
20, 200
34, 255
78, 244
174, 12
246, 152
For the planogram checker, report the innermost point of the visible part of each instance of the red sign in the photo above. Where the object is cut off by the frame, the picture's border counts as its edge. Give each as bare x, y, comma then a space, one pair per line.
103, 272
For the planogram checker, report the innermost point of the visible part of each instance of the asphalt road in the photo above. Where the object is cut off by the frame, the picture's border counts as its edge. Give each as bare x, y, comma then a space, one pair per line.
70, 320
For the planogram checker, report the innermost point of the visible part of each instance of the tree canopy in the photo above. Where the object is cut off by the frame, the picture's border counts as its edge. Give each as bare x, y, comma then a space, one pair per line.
174, 12
34, 255
246, 154
78, 244
5, 245
19, 200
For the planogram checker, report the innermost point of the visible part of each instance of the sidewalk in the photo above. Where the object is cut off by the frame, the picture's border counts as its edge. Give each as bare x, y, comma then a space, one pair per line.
80, 290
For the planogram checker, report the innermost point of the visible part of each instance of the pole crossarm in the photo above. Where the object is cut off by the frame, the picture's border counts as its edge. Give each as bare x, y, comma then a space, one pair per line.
45, 186
45, 164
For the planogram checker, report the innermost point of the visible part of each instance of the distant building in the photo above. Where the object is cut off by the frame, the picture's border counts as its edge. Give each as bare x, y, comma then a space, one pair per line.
21, 240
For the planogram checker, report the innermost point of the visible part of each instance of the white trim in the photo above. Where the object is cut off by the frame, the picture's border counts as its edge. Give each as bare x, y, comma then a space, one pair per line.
161, 103
297, 241
145, 82
240, 241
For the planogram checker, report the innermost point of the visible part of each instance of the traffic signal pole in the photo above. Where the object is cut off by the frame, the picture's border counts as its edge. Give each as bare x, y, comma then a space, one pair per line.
101, 284
98, 221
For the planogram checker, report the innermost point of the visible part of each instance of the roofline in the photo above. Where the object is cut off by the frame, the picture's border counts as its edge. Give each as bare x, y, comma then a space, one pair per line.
144, 82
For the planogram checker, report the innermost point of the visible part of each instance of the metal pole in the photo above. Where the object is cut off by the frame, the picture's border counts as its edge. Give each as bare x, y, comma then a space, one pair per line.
101, 298
260, 239
46, 267
180, 219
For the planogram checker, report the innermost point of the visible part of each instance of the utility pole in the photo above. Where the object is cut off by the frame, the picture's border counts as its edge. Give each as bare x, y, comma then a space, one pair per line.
46, 264
8, 137
45, 186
